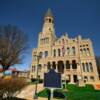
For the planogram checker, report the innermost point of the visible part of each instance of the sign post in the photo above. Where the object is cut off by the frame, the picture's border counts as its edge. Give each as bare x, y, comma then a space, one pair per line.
52, 80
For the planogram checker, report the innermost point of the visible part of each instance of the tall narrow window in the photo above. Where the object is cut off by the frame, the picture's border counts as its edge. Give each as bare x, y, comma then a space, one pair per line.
39, 67
88, 51
48, 65
59, 52
41, 54
46, 54
54, 53
67, 65
47, 40
49, 20
84, 52
74, 64
91, 67
73, 50
68, 51
87, 67
83, 66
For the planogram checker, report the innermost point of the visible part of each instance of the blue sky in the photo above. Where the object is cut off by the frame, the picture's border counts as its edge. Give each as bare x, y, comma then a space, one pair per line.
72, 16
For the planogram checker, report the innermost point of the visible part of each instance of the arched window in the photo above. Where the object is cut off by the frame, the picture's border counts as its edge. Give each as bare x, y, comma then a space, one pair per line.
48, 65
63, 41
41, 54
39, 67
53, 65
84, 52
59, 52
46, 54
54, 53
91, 67
68, 51
85, 78
88, 51
49, 20
83, 66
67, 65
92, 78
87, 67
74, 64
46, 40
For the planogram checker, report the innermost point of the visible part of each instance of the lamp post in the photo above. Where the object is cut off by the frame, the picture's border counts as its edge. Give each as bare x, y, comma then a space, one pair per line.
38, 58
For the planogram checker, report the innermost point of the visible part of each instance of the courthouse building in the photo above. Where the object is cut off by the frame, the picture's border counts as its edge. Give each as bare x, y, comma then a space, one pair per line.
73, 57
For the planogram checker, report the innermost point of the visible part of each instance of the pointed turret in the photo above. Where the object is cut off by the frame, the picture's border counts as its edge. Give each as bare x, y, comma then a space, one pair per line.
49, 13
47, 35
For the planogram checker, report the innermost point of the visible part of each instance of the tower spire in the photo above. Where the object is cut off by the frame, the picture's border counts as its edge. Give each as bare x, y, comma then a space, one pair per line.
49, 13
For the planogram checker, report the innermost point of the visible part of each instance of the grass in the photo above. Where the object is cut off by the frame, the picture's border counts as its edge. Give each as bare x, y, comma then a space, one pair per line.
74, 93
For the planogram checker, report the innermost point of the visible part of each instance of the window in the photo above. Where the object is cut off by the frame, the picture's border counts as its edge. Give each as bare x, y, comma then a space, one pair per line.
84, 51
39, 67
47, 40
88, 51
41, 54
34, 58
59, 52
46, 54
74, 64
67, 65
48, 65
86, 44
54, 53
92, 78
83, 66
87, 67
85, 78
68, 50
91, 67
49, 20
63, 41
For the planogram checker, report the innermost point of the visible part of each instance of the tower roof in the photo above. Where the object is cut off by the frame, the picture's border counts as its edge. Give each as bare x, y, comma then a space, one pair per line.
49, 13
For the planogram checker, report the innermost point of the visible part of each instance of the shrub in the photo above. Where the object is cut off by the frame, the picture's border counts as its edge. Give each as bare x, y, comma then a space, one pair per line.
10, 87
34, 80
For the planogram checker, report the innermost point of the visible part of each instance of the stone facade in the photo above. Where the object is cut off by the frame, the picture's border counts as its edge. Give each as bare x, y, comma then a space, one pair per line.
73, 57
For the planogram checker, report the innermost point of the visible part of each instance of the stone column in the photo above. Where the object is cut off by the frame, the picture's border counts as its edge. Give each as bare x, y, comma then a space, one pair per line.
71, 78
64, 67
56, 67
71, 66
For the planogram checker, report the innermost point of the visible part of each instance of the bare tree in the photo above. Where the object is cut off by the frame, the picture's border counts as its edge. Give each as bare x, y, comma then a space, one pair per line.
13, 44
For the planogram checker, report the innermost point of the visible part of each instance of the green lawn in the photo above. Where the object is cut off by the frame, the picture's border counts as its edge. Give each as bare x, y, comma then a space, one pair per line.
74, 93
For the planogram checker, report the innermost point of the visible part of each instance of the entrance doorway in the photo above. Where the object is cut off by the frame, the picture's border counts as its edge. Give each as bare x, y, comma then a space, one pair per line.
75, 78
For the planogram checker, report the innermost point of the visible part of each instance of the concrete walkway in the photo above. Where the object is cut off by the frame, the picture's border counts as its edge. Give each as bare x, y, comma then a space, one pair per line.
28, 92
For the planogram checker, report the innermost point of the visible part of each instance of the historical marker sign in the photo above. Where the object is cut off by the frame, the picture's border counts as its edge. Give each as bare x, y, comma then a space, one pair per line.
52, 79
